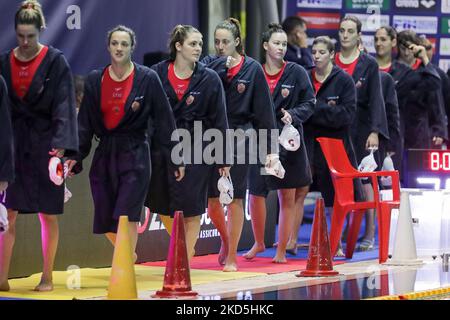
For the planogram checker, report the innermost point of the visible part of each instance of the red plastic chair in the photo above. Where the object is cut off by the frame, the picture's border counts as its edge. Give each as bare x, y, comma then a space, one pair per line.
343, 174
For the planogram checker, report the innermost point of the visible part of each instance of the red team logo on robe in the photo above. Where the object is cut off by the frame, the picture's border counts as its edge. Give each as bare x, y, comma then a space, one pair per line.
241, 87
189, 100
285, 92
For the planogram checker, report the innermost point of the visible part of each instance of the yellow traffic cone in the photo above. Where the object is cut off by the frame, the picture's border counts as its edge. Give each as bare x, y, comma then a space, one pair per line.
122, 283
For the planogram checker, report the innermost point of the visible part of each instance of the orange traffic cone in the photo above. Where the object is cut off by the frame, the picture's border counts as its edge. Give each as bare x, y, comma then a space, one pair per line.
177, 279
319, 254
122, 283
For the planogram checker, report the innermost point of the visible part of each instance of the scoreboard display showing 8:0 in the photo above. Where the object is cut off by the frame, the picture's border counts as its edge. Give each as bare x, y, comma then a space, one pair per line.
427, 169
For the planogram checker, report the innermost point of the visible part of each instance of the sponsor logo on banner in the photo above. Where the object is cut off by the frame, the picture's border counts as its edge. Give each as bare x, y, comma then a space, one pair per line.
416, 4
445, 6
327, 4
370, 23
427, 25
444, 64
364, 4
368, 43
445, 25
320, 20
444, 47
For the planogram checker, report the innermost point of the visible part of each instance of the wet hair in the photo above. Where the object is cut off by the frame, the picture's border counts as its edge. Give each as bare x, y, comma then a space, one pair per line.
179, 34
123, 29
407, 37
30, 12
290, 23
326, 41
353, 19
233, 25
391, 32
271, 29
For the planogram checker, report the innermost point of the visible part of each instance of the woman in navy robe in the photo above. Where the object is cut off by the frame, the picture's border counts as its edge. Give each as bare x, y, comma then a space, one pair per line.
249, 106
6, 139
43, 114
408, 82
294, 101
197, 99
121, 104
333, 117
370, 124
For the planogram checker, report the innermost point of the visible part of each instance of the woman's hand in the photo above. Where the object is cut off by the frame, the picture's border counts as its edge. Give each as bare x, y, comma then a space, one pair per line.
57, 153
224, 172
372, 141
287, 118
70, 165
438, 141
179, 173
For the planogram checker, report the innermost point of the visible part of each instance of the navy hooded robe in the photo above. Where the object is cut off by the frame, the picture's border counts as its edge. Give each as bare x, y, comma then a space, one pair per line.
203, 102
121, 170
44, 119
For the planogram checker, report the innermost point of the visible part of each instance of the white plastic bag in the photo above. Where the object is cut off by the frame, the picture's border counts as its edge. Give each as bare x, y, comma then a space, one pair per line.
290, 138
67, 194
225, 186
3, 215
388, 165
56, 171
368, 163
273, 166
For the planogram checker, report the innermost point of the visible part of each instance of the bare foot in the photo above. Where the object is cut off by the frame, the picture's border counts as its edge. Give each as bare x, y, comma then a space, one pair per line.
135, 257
223, 253
230, 267
4, 286
279, 258
257, 248
44, 286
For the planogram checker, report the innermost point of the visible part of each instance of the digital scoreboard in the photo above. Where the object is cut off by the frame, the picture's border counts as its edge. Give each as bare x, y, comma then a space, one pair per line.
427, 169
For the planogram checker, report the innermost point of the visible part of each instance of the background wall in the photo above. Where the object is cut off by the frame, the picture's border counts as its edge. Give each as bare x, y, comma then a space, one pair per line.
428, 17
79, 27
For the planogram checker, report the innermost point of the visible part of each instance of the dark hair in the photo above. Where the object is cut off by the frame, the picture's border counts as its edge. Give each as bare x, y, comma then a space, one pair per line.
408, 36
272, 28
179, 34
326, 41
123, 29
391, 32
353, 19
30, 12
290, 23
233, 25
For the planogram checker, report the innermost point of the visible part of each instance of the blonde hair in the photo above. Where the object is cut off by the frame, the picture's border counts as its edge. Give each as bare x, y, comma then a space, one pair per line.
30, 12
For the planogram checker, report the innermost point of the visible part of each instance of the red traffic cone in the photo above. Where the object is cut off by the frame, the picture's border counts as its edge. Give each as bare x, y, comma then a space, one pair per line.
177, 279
319, 263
